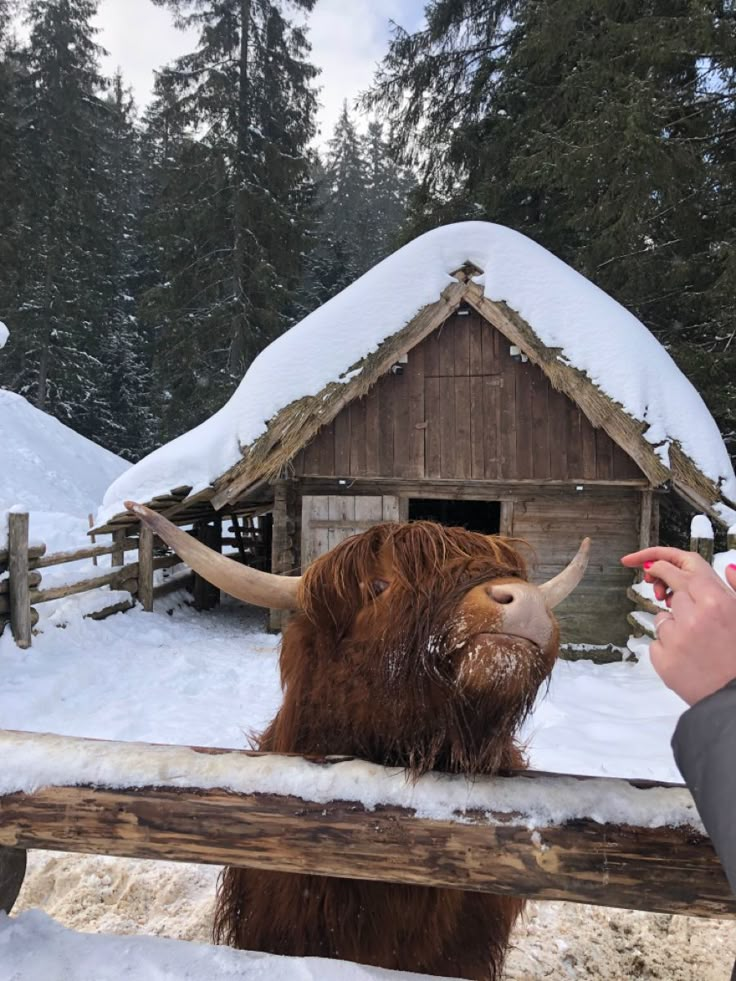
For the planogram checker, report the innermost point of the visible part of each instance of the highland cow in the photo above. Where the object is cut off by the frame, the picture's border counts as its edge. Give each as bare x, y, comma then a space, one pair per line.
414, 646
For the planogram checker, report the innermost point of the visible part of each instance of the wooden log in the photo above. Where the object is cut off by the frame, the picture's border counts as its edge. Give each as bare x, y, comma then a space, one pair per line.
640, 629
12, 874
207, 596
645, 519
113, 579
5, 618
34, 579
109, 611
701, 537
479, 840
185, 581
118, 555
235, 527
89, 552
93, 538
145, 569
34, 552
285, 541
19, 589
119, 579
643, 603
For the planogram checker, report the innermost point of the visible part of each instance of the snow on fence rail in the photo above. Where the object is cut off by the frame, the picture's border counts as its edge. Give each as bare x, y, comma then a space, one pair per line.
626, 843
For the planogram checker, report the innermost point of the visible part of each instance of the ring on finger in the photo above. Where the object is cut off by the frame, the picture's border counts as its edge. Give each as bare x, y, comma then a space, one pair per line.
661, 619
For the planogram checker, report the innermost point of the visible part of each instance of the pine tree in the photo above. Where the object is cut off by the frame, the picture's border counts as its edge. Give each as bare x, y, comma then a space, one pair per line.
599, 128
361, 202
59, 290
346, 182
186, 297
10, 196
125, 385
244, 106
389, 189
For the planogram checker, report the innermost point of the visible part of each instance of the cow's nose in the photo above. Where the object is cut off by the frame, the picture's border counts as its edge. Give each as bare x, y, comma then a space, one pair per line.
503, 594
523, 611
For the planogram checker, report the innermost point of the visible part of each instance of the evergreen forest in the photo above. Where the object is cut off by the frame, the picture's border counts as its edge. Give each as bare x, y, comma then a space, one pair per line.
148, 255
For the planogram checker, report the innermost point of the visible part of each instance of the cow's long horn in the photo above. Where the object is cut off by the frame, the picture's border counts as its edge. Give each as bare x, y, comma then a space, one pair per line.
559, 588
250, 585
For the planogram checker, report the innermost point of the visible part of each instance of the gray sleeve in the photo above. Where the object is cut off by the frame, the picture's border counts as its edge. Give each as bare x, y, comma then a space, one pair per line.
704, 745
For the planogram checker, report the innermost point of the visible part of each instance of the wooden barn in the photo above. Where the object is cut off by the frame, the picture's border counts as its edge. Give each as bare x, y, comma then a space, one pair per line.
456, 406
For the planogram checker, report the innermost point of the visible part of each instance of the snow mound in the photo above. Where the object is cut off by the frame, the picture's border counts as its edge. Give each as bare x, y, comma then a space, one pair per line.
49, 470
33, 946
593, 332
4, 334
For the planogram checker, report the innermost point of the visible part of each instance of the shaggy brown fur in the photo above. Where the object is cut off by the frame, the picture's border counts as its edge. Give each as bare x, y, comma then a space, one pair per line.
385, 663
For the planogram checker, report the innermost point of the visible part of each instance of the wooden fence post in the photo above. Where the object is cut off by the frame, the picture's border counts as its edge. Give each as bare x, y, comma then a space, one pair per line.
93, 538
18, 586
12, 873
701, 537
207, 596
145, 568
118, 556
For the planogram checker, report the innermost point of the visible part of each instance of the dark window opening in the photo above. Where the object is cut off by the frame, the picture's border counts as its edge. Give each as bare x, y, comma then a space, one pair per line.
482, 516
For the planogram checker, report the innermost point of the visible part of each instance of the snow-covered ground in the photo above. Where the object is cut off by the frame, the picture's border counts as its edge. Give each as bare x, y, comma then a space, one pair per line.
212, 679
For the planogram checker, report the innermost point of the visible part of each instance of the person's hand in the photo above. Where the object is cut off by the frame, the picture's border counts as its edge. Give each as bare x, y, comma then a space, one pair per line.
695, 650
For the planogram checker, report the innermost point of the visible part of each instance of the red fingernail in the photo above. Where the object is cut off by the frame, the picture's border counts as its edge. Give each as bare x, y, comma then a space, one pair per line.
648, 565
731, 565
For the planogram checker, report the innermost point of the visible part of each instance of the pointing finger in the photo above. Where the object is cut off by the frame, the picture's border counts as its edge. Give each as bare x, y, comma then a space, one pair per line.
688, 561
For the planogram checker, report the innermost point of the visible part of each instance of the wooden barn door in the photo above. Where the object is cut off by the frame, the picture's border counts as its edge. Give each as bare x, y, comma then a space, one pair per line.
328, 520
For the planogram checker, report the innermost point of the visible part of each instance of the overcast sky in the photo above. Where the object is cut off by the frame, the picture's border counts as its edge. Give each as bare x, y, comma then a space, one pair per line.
348, 38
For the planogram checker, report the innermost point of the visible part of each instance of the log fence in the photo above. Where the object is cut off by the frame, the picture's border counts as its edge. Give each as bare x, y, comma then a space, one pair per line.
21, 571
21, 576
495, 835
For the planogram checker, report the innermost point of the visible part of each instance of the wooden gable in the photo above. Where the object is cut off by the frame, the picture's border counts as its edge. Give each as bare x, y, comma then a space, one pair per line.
462, 408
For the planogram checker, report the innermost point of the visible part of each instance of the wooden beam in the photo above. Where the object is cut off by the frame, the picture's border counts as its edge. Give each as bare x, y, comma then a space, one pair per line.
118, 554
34, 579
19, 591
479, 840
145, 568
121, 546
34, 551
173, 585
12, 874
645, 519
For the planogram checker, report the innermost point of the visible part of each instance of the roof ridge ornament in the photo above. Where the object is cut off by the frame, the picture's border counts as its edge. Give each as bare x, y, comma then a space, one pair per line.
466, 272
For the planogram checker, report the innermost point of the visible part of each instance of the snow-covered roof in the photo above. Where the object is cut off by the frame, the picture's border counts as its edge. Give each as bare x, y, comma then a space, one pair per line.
594, 334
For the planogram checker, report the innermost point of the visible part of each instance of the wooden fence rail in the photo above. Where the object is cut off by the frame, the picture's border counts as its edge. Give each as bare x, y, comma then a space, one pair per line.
168, 802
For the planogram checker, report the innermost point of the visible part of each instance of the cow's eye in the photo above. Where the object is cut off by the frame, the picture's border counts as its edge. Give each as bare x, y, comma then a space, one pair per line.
378, 586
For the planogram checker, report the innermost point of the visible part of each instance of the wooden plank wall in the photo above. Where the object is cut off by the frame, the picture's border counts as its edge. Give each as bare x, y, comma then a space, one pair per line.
553, 524
328, 520
464, 409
